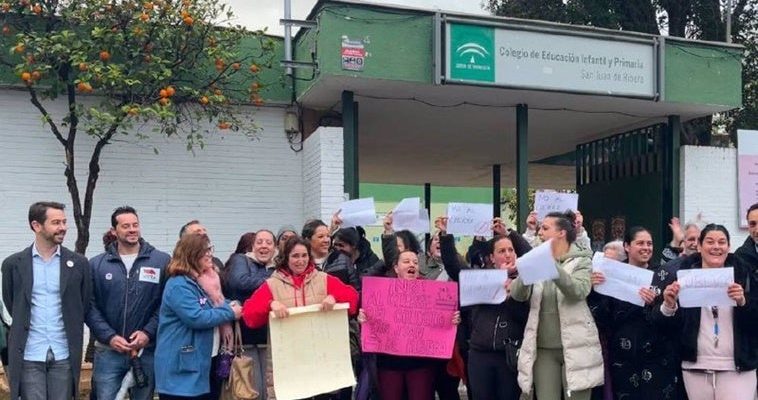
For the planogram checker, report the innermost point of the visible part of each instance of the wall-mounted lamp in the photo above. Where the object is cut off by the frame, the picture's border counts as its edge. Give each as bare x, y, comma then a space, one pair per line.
291, 123
292, 130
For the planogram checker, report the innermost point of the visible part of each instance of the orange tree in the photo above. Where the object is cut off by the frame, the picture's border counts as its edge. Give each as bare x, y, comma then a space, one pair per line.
120, 63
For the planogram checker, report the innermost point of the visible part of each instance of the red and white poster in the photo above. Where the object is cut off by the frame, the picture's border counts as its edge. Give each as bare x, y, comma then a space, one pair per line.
353, 54
747, 171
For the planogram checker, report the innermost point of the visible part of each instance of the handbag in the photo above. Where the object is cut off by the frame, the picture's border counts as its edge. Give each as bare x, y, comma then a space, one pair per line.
224, 363
241, 383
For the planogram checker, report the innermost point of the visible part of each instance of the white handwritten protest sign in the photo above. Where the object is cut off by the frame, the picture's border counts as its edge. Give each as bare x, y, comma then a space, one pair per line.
358, 212
482, 286
422, 223
622, 281
469, 219
705, 287
537, 265
546, 202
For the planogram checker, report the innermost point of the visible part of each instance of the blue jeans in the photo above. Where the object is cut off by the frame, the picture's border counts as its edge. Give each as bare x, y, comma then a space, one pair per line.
109, 370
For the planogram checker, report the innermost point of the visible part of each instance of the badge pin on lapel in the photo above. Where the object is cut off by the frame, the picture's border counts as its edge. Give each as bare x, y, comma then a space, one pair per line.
70, 264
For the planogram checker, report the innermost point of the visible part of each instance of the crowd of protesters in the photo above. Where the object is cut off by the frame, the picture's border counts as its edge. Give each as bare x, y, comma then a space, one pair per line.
160, 323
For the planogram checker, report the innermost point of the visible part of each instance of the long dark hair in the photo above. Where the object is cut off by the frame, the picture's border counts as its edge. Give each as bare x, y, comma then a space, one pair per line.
245, 244
409, 240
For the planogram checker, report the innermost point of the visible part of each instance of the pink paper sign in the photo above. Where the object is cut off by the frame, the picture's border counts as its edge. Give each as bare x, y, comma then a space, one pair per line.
409, 317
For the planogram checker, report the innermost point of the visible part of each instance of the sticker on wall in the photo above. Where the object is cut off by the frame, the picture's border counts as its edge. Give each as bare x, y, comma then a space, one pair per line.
353, 54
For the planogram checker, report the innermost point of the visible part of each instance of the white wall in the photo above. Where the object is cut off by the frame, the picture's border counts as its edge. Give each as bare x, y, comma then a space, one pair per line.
323, 175
232, 186
709, 186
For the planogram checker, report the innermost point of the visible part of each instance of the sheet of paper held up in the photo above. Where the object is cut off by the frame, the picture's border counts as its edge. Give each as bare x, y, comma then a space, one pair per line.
546, 201
622, 281
537, 265
358, 212
705, 287
409, 215
482, 286
469, 219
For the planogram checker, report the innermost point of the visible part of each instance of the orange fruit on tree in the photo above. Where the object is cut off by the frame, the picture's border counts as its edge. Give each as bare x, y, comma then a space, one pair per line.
83, 67
105, 56
144, 17
36, 75
255, 69
19, 48
170, 91
84, 87
164, 101
236, 66
148, 6
188, 20
204, 100
25, 76
163, 93
255, 86
218, 92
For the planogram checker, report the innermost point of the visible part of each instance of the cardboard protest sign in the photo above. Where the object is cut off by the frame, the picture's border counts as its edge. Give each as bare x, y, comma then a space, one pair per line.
314, 346
409, 317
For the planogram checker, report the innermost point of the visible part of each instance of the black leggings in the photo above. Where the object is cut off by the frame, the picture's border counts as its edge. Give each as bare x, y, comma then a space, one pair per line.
490, 377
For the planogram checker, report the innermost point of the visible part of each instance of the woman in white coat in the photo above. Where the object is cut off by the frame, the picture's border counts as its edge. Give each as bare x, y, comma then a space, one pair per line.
560, 353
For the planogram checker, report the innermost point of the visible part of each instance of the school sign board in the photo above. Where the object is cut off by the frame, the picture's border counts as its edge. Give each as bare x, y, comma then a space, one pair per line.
499, 56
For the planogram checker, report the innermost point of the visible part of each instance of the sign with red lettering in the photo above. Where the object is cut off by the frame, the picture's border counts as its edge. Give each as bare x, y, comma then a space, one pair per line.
353, 54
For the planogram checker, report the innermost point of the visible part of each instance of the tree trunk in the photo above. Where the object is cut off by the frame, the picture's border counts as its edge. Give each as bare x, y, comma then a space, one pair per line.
678, 12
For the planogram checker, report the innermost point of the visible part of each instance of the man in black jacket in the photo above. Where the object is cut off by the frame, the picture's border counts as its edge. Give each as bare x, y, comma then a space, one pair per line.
47, 289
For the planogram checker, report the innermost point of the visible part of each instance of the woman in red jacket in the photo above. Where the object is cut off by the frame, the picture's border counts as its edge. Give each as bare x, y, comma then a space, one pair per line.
295, 283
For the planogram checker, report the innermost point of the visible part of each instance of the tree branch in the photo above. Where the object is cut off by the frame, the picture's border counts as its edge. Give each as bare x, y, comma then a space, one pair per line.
48, 118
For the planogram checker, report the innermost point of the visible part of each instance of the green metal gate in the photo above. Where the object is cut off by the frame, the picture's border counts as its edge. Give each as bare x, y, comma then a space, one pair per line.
622, 181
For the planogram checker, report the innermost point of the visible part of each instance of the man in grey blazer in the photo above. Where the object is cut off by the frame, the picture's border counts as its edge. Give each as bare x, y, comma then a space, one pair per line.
47, 290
